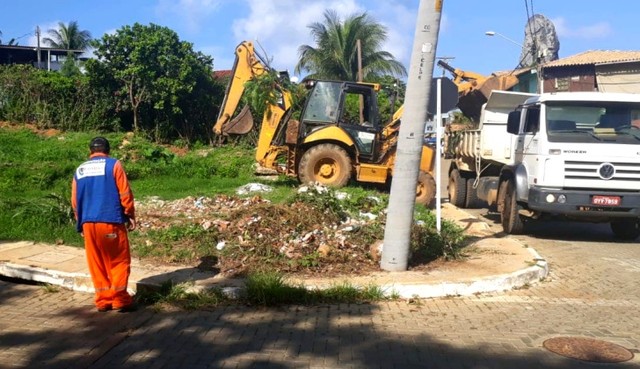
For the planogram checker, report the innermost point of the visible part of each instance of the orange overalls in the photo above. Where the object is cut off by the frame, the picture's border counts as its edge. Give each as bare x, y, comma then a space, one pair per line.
107, 247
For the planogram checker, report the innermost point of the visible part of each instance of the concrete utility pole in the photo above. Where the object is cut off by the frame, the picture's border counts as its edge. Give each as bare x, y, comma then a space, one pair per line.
397, 233
38, 47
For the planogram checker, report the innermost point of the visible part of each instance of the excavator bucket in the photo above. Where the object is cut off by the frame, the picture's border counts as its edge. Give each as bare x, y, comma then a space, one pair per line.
240, 125
470, 103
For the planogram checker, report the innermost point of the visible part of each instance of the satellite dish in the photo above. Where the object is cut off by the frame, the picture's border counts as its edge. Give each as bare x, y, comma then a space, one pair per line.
541, 43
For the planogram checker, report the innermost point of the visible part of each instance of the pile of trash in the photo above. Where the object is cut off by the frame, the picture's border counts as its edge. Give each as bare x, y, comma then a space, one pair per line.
251, 233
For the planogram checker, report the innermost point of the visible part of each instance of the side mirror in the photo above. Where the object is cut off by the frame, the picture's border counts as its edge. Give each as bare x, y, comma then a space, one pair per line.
513, 122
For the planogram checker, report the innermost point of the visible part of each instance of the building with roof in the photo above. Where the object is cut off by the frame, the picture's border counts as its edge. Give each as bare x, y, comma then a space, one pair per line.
527, 79
47, 58
594, 70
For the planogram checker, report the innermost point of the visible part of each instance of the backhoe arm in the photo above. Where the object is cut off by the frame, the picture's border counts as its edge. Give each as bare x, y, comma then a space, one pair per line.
246, 66
463, 79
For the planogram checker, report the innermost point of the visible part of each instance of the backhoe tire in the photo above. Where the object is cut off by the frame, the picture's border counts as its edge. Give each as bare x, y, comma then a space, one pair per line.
457, 189
327, 164
512, 222
426, 189
471, 201
626, 229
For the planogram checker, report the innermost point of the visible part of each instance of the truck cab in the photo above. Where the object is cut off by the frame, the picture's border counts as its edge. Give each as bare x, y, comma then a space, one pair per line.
576, 155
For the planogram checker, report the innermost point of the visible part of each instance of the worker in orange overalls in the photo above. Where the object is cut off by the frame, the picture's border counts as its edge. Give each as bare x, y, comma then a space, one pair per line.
104, 208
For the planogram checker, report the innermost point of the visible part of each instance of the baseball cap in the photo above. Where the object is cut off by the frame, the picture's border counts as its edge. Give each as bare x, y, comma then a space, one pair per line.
100, 143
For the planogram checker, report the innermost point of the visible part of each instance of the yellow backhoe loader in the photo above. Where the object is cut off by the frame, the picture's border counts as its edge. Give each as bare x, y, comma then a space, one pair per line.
329, 144
474, 89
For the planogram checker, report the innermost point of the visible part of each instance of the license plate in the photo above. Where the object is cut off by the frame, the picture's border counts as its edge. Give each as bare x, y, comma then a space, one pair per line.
605, 200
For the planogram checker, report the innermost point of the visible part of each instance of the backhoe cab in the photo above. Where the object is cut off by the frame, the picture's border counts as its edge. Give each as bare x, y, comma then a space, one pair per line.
339, 136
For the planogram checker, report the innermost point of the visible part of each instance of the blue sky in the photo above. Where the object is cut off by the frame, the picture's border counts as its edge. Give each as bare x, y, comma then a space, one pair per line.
215, 27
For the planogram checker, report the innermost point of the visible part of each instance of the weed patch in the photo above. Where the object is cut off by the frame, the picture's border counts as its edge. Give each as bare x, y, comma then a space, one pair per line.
177, 295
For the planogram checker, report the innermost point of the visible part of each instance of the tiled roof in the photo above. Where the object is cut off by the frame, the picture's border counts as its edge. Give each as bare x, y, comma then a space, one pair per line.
596, 57
222, 73
515, 72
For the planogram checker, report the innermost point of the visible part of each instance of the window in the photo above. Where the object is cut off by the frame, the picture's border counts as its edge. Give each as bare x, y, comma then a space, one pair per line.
532, 121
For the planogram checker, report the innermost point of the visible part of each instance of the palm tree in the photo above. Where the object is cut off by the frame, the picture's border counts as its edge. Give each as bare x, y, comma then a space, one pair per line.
68, 37
336, 53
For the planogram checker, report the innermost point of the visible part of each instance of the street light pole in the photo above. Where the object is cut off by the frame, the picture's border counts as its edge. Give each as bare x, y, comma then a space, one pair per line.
493, 33
540, 86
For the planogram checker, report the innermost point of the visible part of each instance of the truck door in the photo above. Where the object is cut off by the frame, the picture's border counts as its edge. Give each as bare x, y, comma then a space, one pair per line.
527, 143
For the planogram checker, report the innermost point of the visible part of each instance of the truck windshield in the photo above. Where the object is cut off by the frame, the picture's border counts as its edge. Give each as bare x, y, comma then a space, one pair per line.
592, 121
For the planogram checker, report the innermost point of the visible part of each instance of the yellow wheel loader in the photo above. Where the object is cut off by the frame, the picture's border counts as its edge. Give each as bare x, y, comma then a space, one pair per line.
329, 144
474, 89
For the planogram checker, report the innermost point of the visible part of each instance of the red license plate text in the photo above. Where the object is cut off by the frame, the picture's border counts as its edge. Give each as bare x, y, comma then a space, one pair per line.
605, 200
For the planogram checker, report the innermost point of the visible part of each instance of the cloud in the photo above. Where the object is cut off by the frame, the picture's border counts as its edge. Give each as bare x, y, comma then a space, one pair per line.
44, 32
400, 21
281, 26
191, 12
594, 31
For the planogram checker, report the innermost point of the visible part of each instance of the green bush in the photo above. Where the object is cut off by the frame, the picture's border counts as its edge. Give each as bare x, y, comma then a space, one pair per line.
52, 100
427, 245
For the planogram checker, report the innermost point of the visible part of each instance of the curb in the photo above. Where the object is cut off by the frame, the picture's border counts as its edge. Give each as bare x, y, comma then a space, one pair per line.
497, 283
79, 282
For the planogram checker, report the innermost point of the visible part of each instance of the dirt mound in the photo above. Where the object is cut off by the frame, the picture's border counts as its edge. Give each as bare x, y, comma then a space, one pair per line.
234, 235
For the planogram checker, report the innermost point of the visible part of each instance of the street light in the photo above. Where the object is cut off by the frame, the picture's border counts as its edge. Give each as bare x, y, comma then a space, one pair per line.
538, 67
493, 33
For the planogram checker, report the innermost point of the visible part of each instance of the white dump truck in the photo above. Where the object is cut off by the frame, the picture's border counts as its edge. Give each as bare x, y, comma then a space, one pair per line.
573, 155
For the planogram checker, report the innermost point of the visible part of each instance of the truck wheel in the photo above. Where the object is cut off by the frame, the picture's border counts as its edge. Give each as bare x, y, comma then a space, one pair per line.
327, 164
626, 229
511, 220
426, 189
457, 189
472, 200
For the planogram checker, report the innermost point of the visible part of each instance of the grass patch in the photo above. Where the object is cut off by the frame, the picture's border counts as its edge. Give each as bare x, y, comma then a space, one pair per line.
272, 289
184, 243
427, 244
49, 288
261, 289
178, 295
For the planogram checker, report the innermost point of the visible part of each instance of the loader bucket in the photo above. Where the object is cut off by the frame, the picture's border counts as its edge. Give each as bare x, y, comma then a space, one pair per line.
240, 125
470, 104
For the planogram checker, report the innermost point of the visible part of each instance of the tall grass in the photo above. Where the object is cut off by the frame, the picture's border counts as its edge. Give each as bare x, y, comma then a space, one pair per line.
36, 172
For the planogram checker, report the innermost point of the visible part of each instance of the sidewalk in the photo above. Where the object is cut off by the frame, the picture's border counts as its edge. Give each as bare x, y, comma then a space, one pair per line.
496, 264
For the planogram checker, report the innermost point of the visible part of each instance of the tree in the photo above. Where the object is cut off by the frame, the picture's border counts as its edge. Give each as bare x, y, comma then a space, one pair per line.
165, 85
336, 53
68, 37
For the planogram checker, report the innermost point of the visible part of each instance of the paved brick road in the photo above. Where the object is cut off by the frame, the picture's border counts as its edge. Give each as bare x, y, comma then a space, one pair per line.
41, 329
593, 290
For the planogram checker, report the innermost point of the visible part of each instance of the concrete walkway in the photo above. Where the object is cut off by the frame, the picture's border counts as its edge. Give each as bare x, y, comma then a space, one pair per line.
495, 264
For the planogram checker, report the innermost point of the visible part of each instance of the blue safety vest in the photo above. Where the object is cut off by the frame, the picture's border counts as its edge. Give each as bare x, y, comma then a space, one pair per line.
97, 196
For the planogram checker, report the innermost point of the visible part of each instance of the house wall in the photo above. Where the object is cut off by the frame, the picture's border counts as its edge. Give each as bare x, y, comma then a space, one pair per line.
570, 78
527, 82
619, 77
